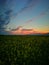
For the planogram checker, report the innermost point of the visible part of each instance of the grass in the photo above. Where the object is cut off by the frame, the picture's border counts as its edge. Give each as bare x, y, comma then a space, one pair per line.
24, 50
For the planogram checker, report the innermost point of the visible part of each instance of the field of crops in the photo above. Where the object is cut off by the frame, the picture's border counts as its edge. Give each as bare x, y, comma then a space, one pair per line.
24, 50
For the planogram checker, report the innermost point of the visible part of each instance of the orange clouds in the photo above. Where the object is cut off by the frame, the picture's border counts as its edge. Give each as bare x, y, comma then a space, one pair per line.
20, 31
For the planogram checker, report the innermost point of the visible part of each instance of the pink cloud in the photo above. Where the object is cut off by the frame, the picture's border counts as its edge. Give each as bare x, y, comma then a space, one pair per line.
21, 31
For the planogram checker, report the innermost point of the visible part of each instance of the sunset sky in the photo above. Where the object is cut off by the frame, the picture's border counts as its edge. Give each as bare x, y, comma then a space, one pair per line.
24, 16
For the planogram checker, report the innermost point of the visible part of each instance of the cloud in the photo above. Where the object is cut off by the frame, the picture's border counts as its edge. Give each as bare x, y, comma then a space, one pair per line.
29, 4
4, 20
4, 17
2, 2
6, 14
18, 28
22, 31
43, 13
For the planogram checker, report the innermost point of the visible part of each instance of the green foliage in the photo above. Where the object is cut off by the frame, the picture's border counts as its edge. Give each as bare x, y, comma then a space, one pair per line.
24, 50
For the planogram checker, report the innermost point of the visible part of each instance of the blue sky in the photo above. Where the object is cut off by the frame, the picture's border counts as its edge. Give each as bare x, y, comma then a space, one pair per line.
30, 14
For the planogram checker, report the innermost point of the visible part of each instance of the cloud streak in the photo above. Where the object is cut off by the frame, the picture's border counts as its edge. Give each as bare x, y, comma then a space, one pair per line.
29, 5
43, 13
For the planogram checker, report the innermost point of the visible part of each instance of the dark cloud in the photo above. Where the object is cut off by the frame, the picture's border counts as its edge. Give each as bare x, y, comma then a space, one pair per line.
5, 15
5, 20
2, 2
18, 28
8, 12
27, 29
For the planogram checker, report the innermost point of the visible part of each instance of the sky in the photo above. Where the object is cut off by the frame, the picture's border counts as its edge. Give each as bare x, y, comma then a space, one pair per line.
24, 16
